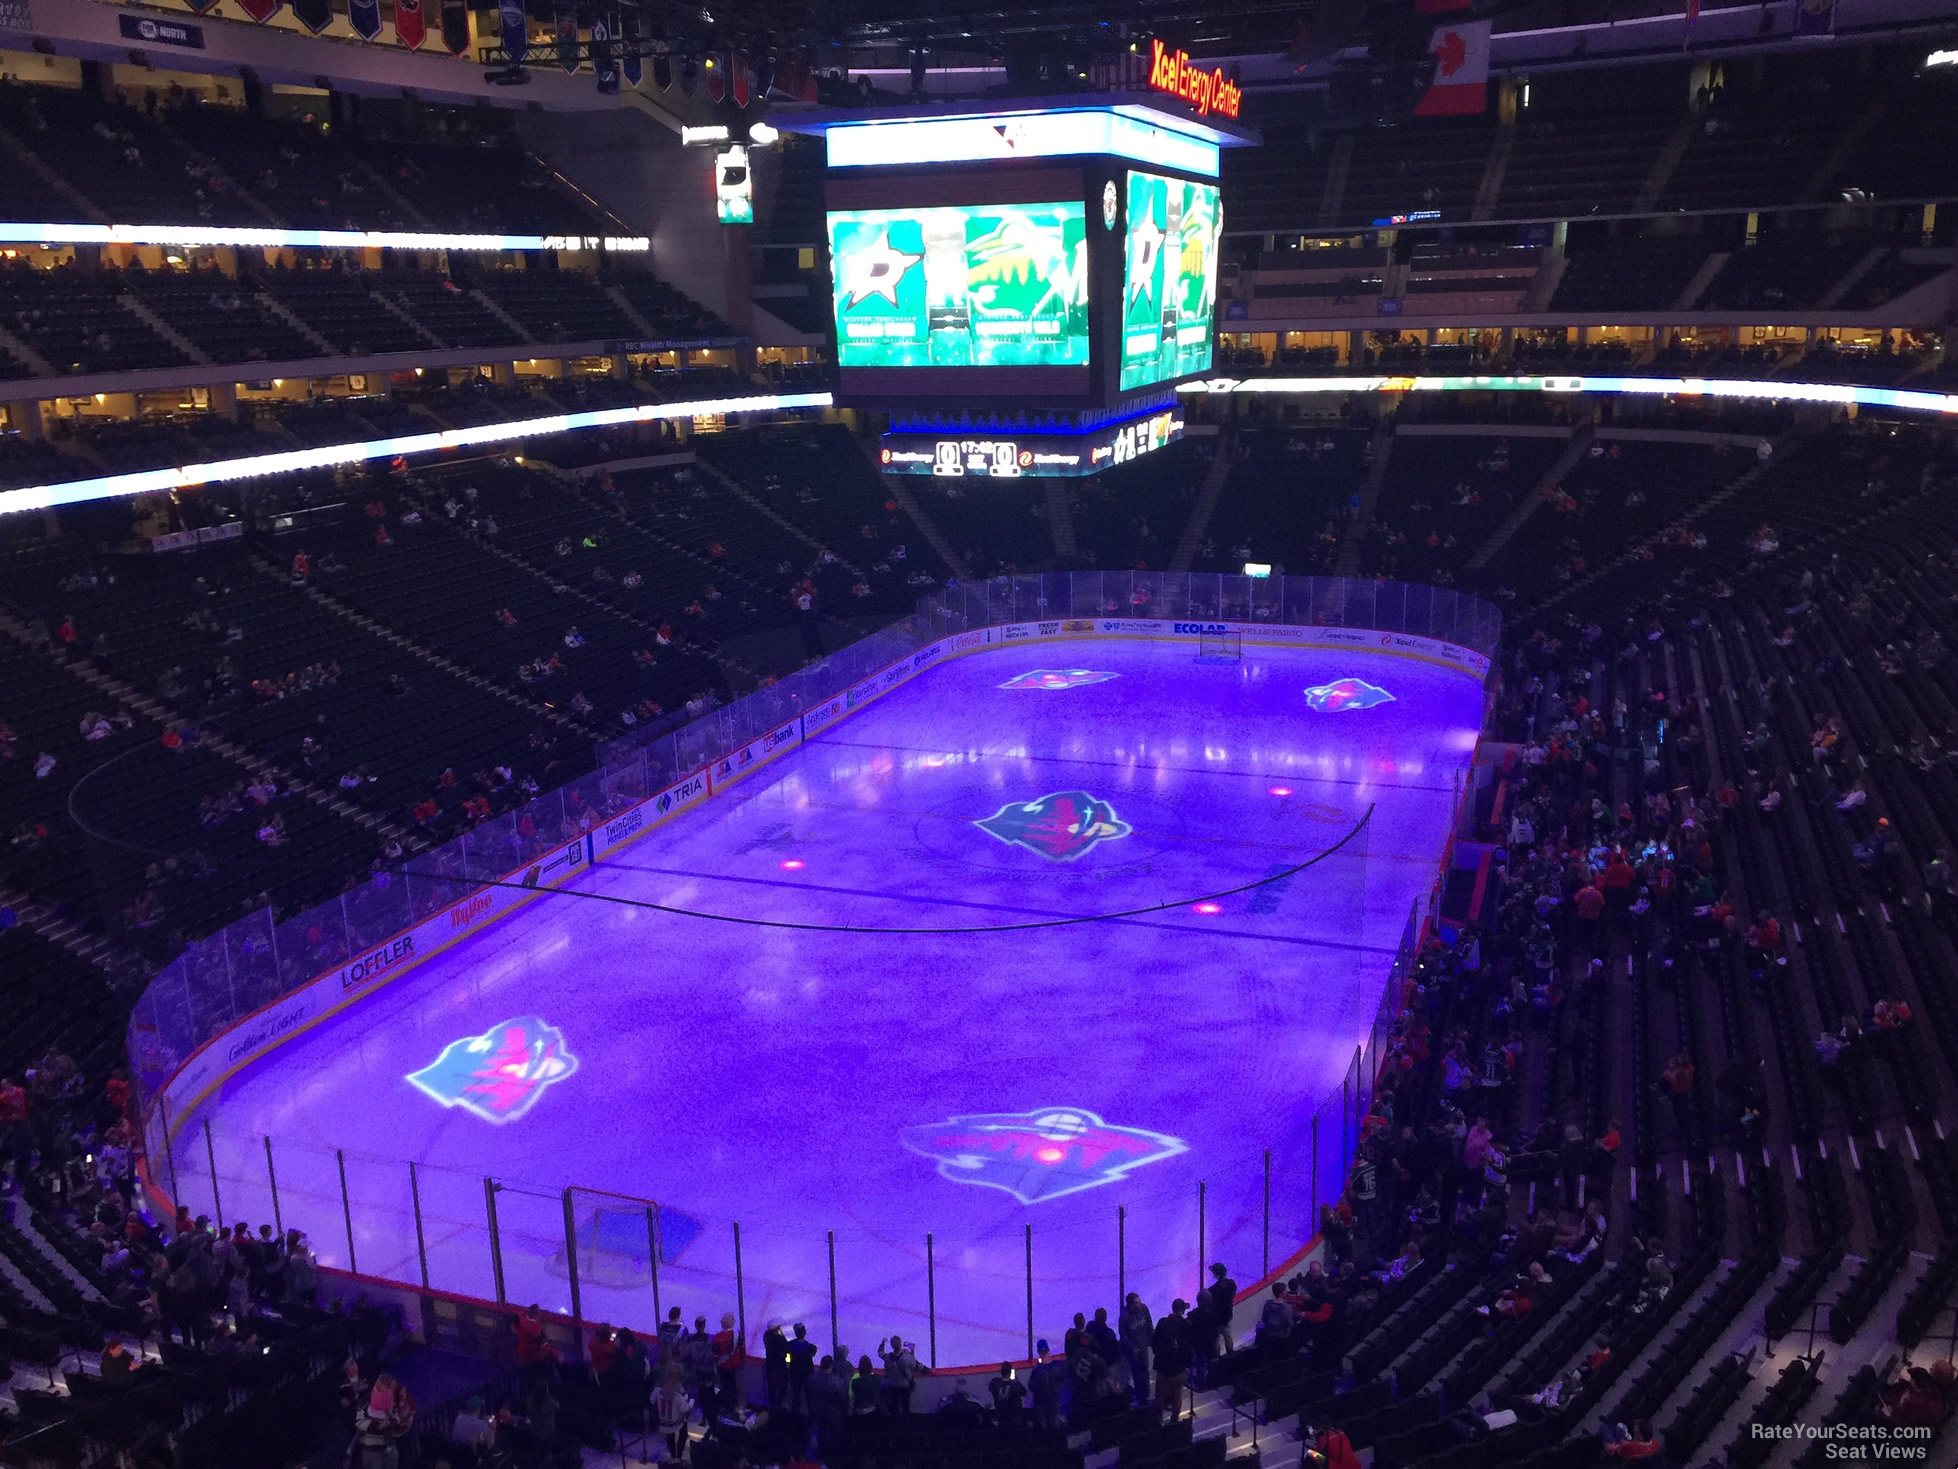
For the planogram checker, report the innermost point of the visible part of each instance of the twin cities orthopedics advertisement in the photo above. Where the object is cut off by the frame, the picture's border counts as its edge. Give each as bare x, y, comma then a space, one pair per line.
1169, 280
984, 285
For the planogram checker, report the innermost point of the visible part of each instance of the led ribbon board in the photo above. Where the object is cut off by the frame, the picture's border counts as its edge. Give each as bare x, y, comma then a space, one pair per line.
1139, 134
253, 466
1030, 455
1910, 400
206, 237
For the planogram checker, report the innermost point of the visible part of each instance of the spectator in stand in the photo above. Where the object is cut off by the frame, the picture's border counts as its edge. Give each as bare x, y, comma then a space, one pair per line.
866, 1391
729, 1353
1676, 1082
1171, 1346
672, 1409
901, 1371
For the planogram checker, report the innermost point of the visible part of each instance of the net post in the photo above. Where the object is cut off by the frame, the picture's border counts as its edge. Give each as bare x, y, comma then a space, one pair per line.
1266, 1270
346, 1210
169, 1153
495, 1239
571, 1269
1203, 1201
652, 1257
421, 1239
211, 1153
835, 1328
1029, 1238
272, 1178
1315, 1171
1121, 1256
1345, 1110
740, 1291
931, 1297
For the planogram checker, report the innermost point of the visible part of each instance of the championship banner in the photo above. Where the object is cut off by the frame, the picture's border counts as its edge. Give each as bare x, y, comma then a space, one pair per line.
365, 17
516, 29
410, 29
737, 77
201, 7
455, 26
716, 69
260, 10
567, 41
315, 15
632, 65
604, 55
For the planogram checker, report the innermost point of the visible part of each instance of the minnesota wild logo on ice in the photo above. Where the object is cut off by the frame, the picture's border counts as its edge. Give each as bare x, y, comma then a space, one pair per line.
1057, 678
1038, 1155
1345, 693
1060, 827
500, 1074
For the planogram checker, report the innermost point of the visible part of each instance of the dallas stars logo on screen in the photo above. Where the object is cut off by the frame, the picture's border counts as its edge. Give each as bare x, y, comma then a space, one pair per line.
988, 285
1169, 294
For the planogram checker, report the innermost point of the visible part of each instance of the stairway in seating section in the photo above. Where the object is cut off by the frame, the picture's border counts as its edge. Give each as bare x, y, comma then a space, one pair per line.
1580, 442
1206, 503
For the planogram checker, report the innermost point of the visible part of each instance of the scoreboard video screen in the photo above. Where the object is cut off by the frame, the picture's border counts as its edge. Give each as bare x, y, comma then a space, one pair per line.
1169, 284
989, 285
1052, 257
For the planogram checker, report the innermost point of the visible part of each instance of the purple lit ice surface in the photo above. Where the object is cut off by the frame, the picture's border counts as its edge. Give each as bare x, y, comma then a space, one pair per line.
887, 1086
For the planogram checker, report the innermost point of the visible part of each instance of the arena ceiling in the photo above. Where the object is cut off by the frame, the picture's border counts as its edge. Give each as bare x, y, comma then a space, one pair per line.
997, 29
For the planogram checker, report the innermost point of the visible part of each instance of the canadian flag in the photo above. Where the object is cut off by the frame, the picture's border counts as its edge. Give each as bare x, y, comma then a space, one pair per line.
1461, 83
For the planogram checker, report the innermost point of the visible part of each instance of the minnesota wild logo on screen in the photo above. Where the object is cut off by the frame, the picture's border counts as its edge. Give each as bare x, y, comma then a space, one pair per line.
993, 285
1169, 286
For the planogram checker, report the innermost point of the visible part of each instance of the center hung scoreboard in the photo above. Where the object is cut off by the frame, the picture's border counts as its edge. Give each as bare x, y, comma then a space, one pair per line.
1022, 284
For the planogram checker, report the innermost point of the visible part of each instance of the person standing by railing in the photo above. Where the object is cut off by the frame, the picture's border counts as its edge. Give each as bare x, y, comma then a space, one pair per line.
729, 1353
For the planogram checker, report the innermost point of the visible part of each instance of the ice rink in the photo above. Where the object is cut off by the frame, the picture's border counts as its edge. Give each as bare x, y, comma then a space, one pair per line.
1111, 1085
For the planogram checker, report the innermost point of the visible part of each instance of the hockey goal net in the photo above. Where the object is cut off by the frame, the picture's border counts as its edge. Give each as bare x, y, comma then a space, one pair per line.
1220, 647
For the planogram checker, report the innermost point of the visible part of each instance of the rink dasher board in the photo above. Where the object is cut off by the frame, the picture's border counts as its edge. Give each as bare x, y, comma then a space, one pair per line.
365, 974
